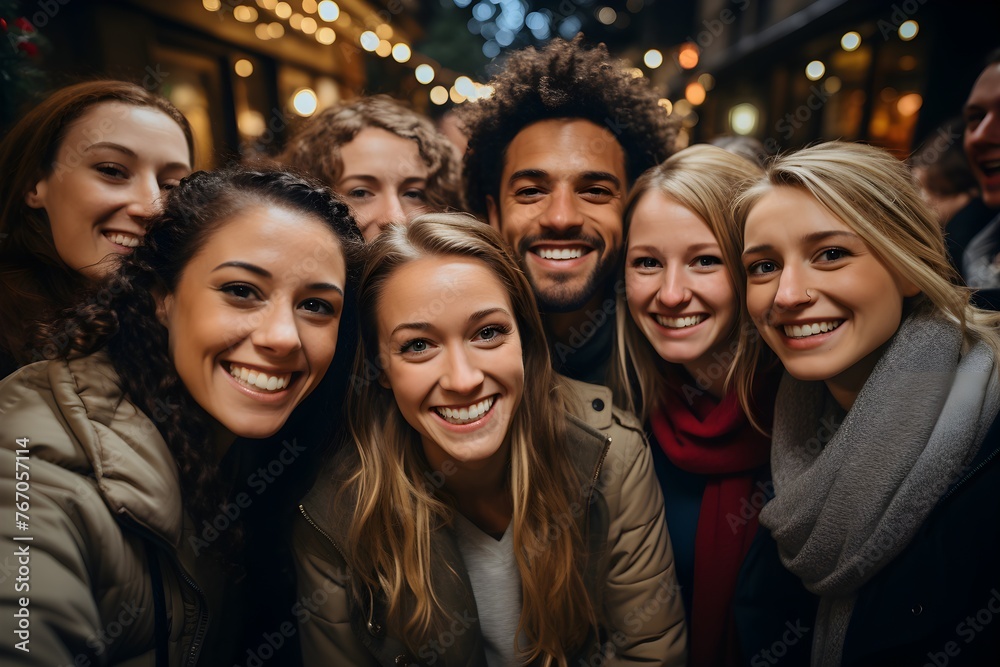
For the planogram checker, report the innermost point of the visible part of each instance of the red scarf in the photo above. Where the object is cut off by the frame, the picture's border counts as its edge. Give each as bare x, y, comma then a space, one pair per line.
717, 440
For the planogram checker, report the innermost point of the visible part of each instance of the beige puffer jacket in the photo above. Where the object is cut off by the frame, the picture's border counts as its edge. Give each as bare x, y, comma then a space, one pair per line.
632, 567
100, 498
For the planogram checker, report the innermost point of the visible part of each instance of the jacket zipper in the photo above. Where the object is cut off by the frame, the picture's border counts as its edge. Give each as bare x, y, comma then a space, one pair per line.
971, 473
309, 519
202, 627
597, 470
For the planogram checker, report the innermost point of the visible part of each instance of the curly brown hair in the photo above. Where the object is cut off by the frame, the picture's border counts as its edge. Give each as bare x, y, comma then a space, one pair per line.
123, 317
315, 149
562, 80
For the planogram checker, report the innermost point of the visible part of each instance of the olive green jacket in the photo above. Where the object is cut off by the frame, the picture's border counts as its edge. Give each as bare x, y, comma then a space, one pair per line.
630, 570
98, 494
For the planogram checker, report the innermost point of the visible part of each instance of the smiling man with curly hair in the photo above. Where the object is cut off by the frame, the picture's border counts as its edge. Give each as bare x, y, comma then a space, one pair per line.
551, 156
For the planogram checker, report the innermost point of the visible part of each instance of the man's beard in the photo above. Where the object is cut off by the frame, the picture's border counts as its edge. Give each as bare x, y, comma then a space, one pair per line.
562, 298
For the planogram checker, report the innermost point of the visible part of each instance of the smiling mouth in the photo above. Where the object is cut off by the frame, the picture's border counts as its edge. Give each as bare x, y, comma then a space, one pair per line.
680, 322
467, 414
806, 330
258, 380
561, 253
990, 167
123, 239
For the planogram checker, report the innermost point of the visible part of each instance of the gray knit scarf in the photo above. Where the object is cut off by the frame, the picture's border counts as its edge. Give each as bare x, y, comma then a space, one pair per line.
849, 498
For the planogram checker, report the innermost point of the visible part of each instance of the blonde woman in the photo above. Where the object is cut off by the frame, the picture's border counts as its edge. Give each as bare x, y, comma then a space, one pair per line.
678, 329
885, 440
472, 520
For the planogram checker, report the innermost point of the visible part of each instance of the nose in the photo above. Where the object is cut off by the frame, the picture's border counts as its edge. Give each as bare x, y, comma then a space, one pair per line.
673, 290
793, 292
987, 131
462, 375
276, 331
144, 197
563, 210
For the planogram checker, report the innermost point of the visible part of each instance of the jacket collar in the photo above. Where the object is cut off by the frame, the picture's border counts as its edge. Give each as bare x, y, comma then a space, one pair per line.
128, 458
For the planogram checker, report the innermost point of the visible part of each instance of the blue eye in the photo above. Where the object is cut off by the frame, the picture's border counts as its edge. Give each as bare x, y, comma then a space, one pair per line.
708, 260
645, 263
418, 345
833, 254
762, 267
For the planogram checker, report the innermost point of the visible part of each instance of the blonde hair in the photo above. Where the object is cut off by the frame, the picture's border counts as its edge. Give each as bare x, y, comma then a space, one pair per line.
873, 194
703, 179
389, 546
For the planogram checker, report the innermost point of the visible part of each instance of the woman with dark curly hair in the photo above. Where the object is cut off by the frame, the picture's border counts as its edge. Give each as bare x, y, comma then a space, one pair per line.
215, 328
386, 160
83, 172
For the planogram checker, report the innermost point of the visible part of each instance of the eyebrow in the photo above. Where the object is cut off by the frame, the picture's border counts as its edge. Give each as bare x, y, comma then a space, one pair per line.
130, 153
586, 176
424, 326
808, 238
264, 273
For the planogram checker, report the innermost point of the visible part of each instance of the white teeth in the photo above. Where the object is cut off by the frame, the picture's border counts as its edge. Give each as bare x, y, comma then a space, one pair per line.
258, 380
467, 414
806, 330
680, 322
127, 240
565, 253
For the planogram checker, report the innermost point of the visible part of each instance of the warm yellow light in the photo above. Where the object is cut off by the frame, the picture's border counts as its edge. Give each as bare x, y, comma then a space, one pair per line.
850, 41
309, 6
666, 104
251, 123
329, 11
295, 20
815, 70
275, 30
687, 57
243, 67
268, 4
682, 107
326, 35
653, 59
909, 104
261, 30
607, 15
211, 5
707, 81
369, 40
245, 14
309, 25
694, 93
636, 73
384, 31
383, 49
304, 102
743, 118
283, 10
401, 53
908, 30
832, 84
439, 95
456, 96
424, 73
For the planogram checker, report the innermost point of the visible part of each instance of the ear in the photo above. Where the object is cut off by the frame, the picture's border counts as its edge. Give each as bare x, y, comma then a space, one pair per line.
493, 212
383, 380
907, 288
35, 197
164, 306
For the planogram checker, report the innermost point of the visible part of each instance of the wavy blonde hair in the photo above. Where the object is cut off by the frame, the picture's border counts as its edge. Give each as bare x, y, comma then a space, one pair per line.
703, 179
396, 511
873, 194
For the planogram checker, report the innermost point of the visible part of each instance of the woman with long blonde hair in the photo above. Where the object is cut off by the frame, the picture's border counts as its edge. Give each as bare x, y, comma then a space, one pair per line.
679, 323
471, 520
885, 440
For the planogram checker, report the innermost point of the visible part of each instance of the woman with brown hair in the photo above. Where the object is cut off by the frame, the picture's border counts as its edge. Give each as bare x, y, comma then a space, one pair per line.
470, 519
387, 161
84, 171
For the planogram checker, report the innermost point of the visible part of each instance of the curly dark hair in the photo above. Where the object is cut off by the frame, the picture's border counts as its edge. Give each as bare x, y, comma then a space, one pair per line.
123, 319
315, 150
562, 80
